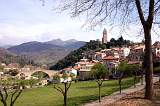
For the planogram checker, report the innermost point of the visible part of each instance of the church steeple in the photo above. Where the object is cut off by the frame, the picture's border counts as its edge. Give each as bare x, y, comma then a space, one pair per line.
104, 38
104, 31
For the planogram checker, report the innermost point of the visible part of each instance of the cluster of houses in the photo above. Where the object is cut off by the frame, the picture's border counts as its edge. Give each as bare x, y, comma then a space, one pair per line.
112, 58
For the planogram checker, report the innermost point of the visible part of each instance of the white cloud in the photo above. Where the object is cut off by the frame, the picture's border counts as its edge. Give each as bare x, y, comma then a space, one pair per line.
16, 34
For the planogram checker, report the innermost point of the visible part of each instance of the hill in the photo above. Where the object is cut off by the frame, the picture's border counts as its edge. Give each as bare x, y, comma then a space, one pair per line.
75, 45
30, 47
8, 57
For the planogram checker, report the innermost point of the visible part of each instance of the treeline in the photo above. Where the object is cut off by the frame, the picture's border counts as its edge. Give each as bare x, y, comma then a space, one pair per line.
22, 60
118, 43
88, 48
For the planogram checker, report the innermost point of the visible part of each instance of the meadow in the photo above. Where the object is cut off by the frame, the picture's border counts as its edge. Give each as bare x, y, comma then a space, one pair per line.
78, 94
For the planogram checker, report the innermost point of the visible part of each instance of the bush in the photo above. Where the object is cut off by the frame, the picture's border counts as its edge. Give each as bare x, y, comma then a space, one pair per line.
156, 70
127, 69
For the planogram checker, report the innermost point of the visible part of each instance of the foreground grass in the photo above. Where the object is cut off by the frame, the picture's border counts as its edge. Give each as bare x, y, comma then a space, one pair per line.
79, 93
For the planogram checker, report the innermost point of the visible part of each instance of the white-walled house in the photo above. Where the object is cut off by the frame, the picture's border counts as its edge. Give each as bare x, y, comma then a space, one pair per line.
124, 52
136, 53
156, 48
99, 56
68, 79
1, 73
111, 63
85, 68
69, 71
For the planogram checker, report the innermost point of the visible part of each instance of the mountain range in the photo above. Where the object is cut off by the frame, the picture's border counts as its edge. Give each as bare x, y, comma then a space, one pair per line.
46, 52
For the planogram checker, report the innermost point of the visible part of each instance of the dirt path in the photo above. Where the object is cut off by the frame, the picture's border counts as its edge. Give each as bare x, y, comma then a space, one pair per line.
117, 96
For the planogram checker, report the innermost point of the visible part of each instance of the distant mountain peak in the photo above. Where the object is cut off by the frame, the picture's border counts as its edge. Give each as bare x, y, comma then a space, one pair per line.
58, 39
30, 43
71, 43
72, 40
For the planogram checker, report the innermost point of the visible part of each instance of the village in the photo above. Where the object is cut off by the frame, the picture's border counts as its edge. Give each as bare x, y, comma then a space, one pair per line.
111, 58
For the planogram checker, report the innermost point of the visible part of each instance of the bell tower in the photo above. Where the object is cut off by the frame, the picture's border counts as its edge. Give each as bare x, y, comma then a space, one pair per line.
104, 38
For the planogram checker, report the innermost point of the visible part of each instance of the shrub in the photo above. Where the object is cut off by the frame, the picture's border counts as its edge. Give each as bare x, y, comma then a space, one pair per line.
156, 70
127, 69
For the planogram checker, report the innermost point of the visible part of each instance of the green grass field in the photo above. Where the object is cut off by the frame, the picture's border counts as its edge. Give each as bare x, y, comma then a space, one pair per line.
79, 93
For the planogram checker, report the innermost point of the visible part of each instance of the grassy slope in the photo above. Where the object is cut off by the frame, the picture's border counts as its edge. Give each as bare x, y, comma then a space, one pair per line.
79, 93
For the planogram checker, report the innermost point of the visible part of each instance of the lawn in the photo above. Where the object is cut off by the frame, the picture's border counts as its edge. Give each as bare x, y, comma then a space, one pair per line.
79, 93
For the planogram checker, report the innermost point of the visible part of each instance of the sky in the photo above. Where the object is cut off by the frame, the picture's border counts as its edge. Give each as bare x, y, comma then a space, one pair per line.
27, 20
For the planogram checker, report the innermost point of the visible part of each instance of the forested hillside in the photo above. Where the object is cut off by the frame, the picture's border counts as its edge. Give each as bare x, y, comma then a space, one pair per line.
8, 57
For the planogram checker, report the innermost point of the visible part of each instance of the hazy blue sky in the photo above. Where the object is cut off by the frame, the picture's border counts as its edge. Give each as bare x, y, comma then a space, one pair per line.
27, 20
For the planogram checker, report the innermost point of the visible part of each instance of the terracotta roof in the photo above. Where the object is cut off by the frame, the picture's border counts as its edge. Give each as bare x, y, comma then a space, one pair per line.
110, 58
134, 62
13, 65
140, 47
77, 67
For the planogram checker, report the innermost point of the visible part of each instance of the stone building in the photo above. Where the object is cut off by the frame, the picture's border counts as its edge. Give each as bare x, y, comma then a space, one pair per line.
104, 38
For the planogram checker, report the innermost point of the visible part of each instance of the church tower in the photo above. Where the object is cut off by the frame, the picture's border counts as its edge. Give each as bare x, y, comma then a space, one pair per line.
104, 38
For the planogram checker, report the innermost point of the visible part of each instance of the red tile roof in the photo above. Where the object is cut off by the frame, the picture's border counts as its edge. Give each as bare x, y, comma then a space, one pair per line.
110, 58
134, 62
77, 67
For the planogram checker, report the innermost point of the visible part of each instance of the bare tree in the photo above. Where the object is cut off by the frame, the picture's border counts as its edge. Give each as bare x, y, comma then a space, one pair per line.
121, 12
119, 77
63, 90
9, 90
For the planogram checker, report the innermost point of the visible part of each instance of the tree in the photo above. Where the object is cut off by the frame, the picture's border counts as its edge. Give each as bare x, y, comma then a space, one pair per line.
66, 82
119, 76
31, 82
40, 75
11, 89
121, 12
119, 42
99, 72
126, 70
1, 67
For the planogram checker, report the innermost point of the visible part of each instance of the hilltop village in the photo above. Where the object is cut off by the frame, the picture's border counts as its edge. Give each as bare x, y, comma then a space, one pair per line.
112, 57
